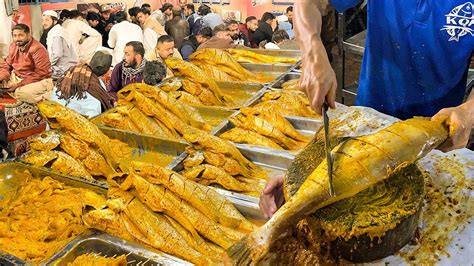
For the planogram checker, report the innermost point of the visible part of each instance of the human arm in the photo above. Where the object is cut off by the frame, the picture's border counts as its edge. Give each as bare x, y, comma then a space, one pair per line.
318, 79
115, 83
186, 51
56, 50
6, 67
460, 121
149, 39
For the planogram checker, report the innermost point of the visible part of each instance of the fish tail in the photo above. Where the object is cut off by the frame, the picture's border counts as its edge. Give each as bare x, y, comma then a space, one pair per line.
239, 253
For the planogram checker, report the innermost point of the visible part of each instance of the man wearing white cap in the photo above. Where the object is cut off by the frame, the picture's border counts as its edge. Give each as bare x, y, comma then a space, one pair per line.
59, 45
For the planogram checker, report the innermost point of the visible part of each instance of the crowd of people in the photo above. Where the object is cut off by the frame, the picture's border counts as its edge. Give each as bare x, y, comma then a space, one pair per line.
75, 47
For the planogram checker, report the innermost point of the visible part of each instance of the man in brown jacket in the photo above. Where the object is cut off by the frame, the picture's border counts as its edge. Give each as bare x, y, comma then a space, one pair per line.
221, 39
26, 72
177, 28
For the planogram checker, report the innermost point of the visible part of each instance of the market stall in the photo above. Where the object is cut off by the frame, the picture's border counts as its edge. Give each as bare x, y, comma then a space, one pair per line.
173, 174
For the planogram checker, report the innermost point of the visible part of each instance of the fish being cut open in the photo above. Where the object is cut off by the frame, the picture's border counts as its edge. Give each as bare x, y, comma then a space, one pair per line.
359, 163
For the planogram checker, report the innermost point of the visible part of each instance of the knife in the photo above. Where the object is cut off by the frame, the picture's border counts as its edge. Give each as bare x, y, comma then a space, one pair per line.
327, 145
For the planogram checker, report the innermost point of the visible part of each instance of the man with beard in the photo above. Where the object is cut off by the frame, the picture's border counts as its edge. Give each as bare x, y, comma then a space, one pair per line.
152, 29
164, 49
191, 17
236, 35
220, 40
60, 50
247, 29
130, 70
26, 72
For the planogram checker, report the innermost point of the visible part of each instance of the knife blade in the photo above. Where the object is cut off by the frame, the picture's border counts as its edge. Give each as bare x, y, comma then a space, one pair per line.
327, 145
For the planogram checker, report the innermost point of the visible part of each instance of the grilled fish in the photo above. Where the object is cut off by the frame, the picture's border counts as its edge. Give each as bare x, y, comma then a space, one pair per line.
47, 140
58, 161
203, 198
239, 135
79, 127
359, 163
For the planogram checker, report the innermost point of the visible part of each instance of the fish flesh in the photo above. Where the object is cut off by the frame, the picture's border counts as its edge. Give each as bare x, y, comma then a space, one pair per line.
359, 163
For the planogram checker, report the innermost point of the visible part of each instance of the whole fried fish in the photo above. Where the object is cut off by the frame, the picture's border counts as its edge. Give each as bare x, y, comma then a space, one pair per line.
359, 163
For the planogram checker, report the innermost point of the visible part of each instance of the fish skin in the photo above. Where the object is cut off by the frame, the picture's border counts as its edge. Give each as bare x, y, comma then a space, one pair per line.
161, 234
242, 55
240, 135
203, 198
79, 127
207, 174
358, 164
47, 140
61, 162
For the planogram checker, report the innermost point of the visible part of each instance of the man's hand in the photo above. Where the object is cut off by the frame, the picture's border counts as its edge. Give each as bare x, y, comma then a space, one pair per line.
108, 27
460, 121
272, 197
318, 79
12, 87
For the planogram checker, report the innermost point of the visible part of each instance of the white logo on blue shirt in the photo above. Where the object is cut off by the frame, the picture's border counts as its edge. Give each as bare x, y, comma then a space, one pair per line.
459, 21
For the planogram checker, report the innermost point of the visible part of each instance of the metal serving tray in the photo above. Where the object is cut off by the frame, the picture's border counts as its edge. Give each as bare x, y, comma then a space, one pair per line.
109, 246
239, 92
284, 78
274, 162
267, 69
11, 177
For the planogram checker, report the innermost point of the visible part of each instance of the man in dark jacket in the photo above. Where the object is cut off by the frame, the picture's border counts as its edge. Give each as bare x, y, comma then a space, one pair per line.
250, 26
177, 28
265, 30
191, 43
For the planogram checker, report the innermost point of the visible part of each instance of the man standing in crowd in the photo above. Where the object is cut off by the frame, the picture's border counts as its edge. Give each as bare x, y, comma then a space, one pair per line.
122, 33
26, 72
209, 19
152, 29
191, 17
220, 40
93, 19
81, 88
177, 27
132, 13
163, 14
8, 9
264, 31
284, 24
289, 14
107, 20
130, 70
59, 45
279, 36
250, 26
237, 36
85, 40
164, 49
191, 43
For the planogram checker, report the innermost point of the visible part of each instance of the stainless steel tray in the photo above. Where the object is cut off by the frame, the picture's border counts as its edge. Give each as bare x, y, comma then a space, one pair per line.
240, 92
11, 178
267, 69
274, 162
109, 246
277, 84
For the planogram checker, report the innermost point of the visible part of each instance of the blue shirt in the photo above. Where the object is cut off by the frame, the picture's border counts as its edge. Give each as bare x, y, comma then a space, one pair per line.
416, 55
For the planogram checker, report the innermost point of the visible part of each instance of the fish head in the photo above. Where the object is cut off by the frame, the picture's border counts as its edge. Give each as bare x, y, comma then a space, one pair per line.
50, 109
47, 140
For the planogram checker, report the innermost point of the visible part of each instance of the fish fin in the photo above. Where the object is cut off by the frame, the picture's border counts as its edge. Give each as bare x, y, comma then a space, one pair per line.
239, 253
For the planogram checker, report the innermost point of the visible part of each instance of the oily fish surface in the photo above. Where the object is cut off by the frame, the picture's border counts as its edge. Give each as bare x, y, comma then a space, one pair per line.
215, 161
286, 103
42, 217
164, 210
198, 83
213, 61
150, 110
242, 55
75, 146
359, 164
263, 128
